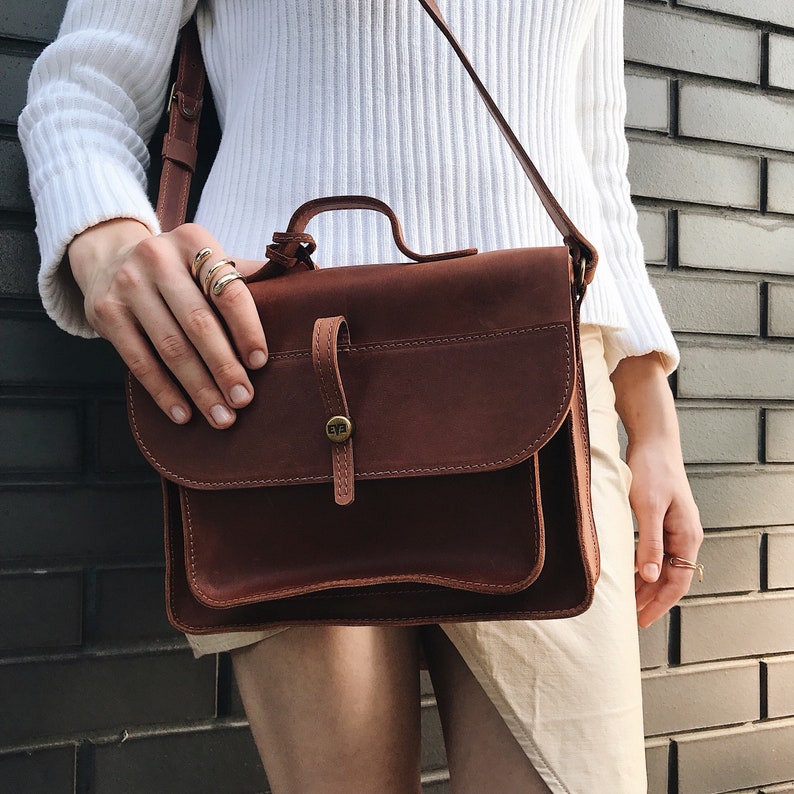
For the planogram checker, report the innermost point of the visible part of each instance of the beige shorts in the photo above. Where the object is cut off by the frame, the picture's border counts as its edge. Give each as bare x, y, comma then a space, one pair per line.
569, 690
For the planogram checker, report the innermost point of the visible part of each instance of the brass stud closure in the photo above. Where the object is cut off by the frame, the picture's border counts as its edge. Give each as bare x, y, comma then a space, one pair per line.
339, 429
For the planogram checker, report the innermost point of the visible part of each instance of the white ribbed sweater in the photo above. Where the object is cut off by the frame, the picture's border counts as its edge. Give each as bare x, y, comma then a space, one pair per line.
323, 97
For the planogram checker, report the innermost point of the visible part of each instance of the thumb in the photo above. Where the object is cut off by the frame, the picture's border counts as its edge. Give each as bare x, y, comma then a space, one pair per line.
650, 548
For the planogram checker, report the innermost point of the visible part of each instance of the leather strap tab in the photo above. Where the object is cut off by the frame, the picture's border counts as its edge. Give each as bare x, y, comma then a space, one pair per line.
179, 145
179, 152
327, 331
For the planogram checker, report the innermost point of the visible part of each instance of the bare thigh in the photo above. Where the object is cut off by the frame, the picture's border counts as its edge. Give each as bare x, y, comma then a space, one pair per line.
335, 709
482, 753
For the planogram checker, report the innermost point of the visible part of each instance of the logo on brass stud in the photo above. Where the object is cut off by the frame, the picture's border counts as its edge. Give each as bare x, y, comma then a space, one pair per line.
339, 429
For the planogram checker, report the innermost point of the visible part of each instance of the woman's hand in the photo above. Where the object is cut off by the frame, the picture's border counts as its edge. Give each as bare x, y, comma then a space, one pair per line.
660, 496
140, 295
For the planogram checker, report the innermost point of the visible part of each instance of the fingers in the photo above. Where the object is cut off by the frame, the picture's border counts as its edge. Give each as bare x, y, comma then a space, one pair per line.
681, 535
650, 512
142, 297
221, 283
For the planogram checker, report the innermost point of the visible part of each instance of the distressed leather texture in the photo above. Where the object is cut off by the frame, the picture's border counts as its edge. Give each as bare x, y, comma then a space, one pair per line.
464, 490
462, 378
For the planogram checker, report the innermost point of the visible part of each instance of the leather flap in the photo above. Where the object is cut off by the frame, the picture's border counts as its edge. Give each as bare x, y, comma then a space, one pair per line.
452, 367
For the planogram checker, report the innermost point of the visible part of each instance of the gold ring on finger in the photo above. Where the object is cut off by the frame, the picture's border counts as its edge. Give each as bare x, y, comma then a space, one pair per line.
198, 260
220, 285
214, 269
680, 562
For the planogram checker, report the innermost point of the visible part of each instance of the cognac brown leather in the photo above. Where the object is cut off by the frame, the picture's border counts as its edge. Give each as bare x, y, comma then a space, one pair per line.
468, 494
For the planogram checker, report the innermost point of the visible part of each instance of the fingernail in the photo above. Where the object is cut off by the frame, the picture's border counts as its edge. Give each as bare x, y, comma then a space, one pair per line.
650, 572
239, 394
221, 414
257, 359
179, 414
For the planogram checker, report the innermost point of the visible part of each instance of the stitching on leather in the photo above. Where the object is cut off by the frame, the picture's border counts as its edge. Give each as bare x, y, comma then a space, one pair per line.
323, 478
320, 367
335, 373
362, 581
396, 578
436, 340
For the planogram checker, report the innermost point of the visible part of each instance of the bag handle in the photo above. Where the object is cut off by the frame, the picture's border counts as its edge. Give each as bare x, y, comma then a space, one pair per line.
179, 145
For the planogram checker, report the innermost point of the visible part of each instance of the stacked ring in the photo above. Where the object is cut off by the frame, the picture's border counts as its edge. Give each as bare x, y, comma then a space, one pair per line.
198, 260
221, 284
214, 269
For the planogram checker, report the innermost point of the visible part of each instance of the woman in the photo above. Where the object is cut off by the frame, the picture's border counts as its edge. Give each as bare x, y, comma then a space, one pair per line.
363, 96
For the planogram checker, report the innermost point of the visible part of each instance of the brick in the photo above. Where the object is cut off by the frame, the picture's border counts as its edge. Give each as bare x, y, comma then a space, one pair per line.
19, 258
681, 172
780, 687
14, 193
735, 116
719, 435
131, 606
16, 20
719, 761
118, 523
749, 244
653, 231
733, 562
691, 43
116, 448
709, 306
743, 498
780, 559
69, 696
780, 12
780, 177
785, 788
653, 643
694, 697
39, 437
780, 435
781, 310
40, 610
656, 765
734, 626
647, 103
14, 71
203, 762
436, 786
45, 771
781, 61
433, 753
733, 371
37, 352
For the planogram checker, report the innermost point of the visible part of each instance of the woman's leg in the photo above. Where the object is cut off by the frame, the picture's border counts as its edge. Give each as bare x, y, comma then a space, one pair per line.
335, 709
482, 753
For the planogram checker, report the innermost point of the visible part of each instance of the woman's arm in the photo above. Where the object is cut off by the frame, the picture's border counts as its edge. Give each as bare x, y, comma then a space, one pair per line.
95, 95
660, 496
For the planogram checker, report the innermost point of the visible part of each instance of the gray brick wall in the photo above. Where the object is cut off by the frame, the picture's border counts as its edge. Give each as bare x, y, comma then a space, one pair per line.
711, 129
104, 694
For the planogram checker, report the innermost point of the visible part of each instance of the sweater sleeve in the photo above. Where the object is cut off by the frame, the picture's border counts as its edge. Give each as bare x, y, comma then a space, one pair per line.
94, 98
601, 115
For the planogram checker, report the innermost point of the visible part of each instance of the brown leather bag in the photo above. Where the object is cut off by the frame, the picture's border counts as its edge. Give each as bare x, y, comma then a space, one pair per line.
462, 492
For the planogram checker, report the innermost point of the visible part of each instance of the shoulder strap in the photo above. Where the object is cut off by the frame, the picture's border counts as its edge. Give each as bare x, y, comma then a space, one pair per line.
179, 143
179, 146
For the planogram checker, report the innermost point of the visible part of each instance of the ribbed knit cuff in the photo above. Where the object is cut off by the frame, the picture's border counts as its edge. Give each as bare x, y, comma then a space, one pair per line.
646, 331
77, 199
